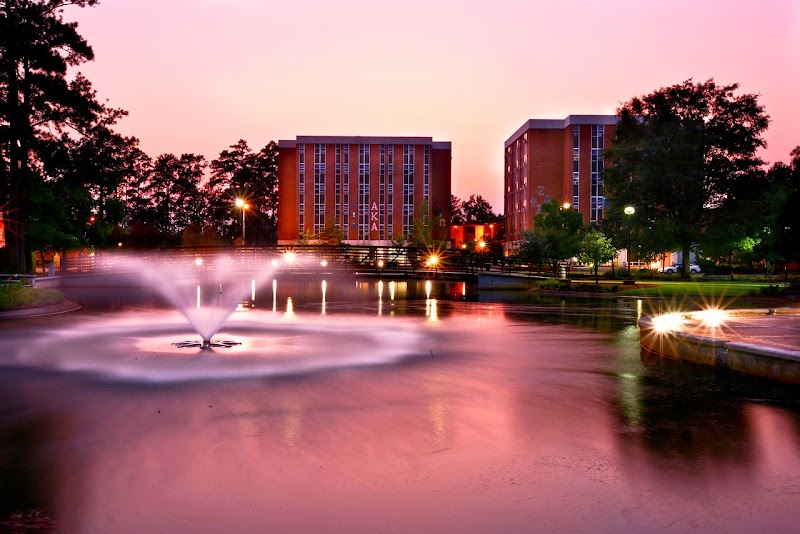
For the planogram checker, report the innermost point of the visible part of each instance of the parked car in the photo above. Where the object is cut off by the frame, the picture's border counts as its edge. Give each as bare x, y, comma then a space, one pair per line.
676, 268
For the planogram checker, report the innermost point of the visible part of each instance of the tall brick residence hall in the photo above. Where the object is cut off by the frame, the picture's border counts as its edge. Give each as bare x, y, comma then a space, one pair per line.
555, 159
371, 188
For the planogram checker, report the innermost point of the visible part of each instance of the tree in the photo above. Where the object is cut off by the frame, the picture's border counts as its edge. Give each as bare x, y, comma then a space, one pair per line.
457, 215
422, 233
597, 249
175, 193
685, 157
477, 210
36, 48
787, 222
560, 229
241, 173
533, 249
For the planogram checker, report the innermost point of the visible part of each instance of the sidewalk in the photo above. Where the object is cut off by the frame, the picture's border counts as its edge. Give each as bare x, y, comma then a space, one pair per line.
756, 342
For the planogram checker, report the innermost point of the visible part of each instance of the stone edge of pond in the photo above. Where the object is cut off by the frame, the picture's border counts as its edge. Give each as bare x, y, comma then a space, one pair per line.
55, 309
775, 363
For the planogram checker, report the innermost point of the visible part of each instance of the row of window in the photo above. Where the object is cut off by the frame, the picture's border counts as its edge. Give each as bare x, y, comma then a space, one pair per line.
369, 217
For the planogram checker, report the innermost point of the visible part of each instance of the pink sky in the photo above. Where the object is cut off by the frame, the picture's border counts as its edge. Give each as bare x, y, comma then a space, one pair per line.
198, 75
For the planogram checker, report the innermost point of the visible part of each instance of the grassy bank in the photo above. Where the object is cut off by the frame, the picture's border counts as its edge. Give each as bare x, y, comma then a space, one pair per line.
729, 289
17, 297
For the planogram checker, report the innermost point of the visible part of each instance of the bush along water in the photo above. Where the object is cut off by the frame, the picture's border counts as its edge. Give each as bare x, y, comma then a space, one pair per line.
18, 297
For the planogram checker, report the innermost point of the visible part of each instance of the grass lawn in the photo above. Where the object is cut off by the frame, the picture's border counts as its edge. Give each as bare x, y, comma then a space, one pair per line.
17, 297
723, 288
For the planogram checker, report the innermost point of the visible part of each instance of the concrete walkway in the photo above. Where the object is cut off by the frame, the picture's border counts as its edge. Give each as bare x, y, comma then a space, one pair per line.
758, 342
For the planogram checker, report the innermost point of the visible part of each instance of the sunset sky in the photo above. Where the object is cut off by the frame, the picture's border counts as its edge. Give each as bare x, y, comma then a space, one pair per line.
197, 75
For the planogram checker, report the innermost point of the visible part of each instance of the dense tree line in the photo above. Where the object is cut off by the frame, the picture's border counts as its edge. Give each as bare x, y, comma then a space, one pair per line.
68, 180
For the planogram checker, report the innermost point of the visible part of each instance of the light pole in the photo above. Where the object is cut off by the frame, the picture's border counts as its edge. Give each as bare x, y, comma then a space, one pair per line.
244, 206
629, 211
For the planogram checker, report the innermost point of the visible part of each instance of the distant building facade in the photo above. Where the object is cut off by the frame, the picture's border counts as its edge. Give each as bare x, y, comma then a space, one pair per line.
555, 159
369, 188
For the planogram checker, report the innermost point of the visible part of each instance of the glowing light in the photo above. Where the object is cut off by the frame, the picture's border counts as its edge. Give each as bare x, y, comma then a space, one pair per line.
324, 263
380, 264
198, 262
712, 317
428, 286
668, 322
289, 257
252, 290
481, 244
119, 244
566, 205
392, 287
433, 260
274, 263
629, 210
324, 292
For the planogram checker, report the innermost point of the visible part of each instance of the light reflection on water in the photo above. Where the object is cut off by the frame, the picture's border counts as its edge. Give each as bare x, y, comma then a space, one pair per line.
535, 416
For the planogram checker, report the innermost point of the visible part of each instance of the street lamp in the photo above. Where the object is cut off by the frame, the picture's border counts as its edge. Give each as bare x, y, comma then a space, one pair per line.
629, 211
244, 206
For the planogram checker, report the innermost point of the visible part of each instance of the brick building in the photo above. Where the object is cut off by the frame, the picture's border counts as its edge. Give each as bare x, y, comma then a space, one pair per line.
370, 188
555, 159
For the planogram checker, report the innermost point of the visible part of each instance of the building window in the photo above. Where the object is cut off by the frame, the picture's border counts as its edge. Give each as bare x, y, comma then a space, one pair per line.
597, 198
390, 192
576, 175
319, 188
301, 187
408, 189
345, 224
363, 192
426, 184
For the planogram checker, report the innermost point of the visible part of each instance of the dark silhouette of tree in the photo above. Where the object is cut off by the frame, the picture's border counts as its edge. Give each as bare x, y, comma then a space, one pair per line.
73, 189
685, 157
778, 238
477, 210
457, 216
253, 176
36, 49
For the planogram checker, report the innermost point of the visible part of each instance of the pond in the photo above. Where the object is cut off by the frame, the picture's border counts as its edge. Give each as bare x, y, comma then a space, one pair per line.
362, 407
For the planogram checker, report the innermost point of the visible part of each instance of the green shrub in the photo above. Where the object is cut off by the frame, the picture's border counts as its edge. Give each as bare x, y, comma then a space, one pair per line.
18, 297
773, 290
553, 284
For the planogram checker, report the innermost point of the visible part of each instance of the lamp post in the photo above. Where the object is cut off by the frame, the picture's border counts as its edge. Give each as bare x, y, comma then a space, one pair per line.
244, 206
629, 211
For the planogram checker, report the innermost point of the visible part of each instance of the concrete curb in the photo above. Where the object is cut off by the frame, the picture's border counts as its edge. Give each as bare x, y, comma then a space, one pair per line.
55, 309
775, 363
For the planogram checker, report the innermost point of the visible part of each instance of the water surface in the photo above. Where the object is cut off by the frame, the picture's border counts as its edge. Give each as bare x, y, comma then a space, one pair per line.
366, 414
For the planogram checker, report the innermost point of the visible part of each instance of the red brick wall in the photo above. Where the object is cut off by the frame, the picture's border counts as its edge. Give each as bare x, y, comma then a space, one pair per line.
545, 169
441, 181
287, 194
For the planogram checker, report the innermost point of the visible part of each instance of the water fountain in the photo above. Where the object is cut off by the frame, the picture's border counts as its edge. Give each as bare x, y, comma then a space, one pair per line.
214, 298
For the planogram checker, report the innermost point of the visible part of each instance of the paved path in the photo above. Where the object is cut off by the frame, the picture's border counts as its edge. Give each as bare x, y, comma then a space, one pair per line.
756, 327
